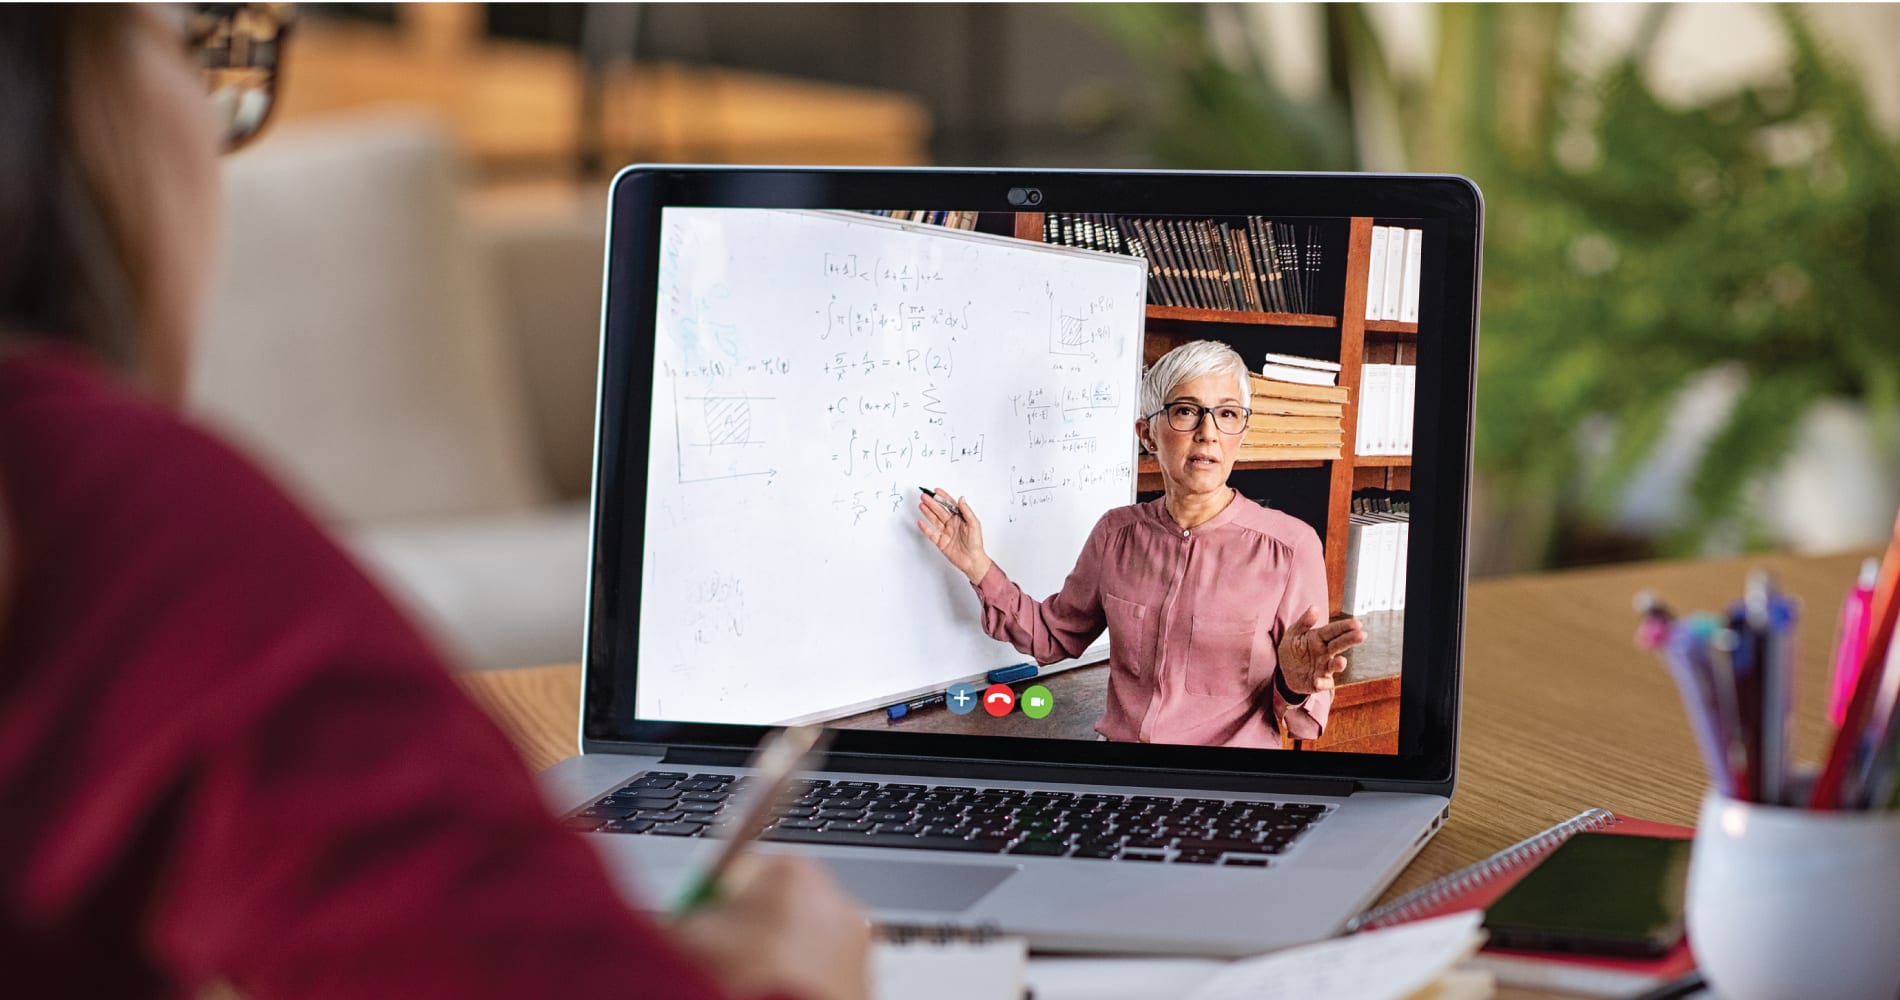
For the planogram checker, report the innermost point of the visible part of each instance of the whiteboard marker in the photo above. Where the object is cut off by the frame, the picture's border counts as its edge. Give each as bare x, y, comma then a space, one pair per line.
947, 505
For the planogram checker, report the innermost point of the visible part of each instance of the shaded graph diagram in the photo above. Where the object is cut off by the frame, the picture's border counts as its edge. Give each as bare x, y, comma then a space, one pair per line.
721, 436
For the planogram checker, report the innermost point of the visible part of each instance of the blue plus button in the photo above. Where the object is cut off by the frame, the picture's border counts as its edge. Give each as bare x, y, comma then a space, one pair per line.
962, 698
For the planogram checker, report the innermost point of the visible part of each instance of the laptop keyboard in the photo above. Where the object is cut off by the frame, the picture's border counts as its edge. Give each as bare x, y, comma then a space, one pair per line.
1140, 828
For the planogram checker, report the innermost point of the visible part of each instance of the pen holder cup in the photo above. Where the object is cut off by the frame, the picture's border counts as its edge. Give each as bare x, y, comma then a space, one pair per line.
1786, 902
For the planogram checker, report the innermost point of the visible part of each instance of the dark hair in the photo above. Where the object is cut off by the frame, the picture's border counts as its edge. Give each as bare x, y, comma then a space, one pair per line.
71, 246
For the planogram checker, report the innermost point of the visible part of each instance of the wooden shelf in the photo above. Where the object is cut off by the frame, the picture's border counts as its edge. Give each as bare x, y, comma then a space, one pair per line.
1392, 326
1252, 318
1382, 461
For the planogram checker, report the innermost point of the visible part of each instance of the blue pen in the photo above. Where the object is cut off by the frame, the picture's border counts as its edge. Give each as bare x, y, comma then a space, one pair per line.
1686, 656
1717, 645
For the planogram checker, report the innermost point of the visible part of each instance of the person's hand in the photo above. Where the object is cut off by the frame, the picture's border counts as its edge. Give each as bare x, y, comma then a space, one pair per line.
781, 926
1311, 652
960, 539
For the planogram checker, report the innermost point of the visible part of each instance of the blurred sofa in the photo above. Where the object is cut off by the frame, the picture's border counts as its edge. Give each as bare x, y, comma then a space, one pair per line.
417, 363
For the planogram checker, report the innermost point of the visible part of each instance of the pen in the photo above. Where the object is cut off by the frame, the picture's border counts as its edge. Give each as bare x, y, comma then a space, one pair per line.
780, 759
1852, 642
947, 505
1833, 787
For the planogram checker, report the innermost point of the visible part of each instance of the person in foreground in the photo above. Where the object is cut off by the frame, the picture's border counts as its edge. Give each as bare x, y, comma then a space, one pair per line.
1215, 606
224, 756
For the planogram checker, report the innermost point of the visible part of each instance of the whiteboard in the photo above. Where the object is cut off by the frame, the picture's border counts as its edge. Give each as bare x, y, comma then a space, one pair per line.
811, 371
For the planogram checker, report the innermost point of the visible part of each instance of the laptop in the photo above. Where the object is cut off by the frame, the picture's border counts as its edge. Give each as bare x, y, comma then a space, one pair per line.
791, 356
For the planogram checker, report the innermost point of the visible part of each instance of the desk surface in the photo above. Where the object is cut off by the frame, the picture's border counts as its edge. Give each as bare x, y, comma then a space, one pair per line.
1561, 712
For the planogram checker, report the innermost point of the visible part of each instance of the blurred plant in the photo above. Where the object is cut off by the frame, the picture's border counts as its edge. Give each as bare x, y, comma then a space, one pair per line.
1630, 245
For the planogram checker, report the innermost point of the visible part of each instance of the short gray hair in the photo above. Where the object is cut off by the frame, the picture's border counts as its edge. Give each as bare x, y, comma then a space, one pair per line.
1187, 363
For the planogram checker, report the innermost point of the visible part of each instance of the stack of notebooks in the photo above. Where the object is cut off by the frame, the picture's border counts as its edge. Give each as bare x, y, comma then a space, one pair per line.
1392, 274
1241, 263
1298, 411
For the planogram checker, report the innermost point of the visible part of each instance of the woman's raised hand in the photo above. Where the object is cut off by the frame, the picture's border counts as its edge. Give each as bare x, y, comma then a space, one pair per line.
958, 536
1311, 652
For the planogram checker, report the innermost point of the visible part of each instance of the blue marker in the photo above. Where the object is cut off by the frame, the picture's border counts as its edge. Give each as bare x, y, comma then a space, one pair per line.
903, 708
1011, 674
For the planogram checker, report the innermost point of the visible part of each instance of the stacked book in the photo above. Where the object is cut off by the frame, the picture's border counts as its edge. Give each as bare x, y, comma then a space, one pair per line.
1239, 263
1298, 411
1393, 272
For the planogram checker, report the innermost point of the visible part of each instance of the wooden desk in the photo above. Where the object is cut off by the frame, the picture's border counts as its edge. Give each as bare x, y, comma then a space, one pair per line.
1561, 712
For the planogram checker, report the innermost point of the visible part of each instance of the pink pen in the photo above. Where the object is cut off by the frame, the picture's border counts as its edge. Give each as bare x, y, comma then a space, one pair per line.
1852, 643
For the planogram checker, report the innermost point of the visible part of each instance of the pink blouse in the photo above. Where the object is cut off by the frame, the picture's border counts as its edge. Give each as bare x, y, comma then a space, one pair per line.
1194, 621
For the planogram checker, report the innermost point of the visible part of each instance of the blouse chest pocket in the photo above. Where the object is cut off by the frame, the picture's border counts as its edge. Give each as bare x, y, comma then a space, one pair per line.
1220, 656
1130, 633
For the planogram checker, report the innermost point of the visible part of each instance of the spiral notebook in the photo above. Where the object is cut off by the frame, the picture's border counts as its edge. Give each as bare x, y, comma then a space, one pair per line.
951, 963
1477, 885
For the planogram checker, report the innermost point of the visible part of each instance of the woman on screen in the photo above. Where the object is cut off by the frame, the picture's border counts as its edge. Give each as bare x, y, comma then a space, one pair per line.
1215, 606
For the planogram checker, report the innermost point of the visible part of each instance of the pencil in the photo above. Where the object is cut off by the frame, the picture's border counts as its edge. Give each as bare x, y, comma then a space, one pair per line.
781, 758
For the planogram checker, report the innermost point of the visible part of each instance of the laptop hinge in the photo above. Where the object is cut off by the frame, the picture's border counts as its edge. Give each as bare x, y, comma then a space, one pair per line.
1093, 774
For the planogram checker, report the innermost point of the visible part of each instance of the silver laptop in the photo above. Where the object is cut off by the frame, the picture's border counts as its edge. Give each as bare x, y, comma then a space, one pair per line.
789, 356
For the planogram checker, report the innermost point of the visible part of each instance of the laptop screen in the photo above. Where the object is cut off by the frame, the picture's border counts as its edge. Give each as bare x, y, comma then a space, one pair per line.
1092, 477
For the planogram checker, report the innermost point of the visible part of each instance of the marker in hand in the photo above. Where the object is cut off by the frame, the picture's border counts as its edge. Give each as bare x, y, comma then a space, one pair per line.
948, 507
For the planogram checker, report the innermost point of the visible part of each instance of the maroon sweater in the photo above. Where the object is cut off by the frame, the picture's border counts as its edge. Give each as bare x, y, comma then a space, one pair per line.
225, 756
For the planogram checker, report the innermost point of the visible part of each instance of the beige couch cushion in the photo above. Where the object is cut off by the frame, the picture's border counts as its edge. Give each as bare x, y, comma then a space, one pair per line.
353, 341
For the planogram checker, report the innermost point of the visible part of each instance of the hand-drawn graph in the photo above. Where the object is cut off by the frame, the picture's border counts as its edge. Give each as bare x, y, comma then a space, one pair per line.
718, 436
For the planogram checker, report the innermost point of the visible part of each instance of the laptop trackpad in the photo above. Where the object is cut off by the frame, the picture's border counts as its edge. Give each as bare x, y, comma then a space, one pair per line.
896, 885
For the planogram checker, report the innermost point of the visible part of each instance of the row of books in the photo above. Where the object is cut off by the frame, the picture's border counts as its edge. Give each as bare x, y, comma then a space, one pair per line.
1297, 418
950, 220
1247, 264
1393, 272
1385, 409
1376, 547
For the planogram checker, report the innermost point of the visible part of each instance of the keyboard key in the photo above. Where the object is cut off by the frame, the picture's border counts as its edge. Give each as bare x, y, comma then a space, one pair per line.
705, 796
840, 814
698, 807
848, 826
906, 829
1239, 862
925, 842
675, 775
1044, 848
801, 824
1142, 856
1197, 859
678, 829
660, 815
699, 785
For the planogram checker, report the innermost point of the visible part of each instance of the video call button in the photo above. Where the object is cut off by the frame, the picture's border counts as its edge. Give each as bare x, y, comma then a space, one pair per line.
1037, 701
962, 698
998, 700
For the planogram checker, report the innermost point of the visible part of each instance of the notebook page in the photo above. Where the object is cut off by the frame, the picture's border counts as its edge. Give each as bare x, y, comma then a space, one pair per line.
928, 968
1376, 965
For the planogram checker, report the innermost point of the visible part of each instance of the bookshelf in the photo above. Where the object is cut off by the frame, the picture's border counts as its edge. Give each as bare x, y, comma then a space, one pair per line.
1359, 342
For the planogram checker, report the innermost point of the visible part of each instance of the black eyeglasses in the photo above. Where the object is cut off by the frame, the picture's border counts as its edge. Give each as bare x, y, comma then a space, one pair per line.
1228, 419
240, 46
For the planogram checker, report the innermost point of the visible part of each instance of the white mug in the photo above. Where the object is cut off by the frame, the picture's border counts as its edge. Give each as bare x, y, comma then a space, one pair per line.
1788, 902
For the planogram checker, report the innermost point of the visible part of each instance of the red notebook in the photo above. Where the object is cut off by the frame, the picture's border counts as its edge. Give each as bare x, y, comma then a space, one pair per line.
1477, 885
